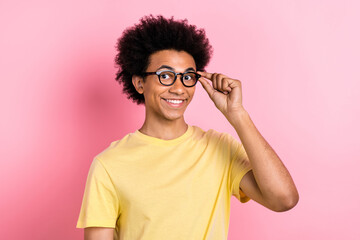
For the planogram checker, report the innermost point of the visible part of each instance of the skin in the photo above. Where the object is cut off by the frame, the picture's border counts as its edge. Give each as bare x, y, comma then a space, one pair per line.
268, 183
98, 233
161, 120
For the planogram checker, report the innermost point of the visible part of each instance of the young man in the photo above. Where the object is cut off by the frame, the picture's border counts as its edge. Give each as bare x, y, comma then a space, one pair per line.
170, 180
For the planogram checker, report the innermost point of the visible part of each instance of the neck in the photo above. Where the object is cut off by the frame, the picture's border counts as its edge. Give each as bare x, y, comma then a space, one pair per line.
164, 129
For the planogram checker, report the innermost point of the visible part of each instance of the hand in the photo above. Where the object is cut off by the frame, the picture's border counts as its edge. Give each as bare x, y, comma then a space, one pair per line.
224, 92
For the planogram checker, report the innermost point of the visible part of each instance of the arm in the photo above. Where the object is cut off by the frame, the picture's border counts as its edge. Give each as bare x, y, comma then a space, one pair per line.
98, 233
269, 183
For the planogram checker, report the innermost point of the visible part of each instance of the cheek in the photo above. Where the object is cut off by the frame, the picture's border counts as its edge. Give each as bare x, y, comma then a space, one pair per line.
154, 93
149, 91
192, 92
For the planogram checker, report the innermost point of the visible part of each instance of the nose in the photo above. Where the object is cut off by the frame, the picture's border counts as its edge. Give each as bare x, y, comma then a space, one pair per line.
178, 87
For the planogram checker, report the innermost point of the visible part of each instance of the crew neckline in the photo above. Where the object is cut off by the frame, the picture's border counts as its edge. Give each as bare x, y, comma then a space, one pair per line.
164, 142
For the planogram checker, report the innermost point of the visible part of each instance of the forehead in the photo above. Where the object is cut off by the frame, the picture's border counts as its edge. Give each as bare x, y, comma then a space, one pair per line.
179, 60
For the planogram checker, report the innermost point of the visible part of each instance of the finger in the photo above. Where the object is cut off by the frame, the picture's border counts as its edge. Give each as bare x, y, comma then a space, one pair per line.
206, 75
208, 88
218, 80
226, 85
213, 80
222, 82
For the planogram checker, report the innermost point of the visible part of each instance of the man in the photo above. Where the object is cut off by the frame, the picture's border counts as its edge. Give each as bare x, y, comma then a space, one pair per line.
170, 180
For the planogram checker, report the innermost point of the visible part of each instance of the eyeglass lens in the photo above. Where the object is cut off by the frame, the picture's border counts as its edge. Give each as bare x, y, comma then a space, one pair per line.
167, 78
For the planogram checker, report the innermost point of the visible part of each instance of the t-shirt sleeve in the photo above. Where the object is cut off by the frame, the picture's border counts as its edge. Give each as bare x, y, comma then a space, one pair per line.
100, 205
239, 166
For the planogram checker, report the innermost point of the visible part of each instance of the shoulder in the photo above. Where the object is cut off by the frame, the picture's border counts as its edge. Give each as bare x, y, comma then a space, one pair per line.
212, 135
116, 148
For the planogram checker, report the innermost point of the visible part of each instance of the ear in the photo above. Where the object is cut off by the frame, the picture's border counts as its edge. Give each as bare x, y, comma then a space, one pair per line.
138, 83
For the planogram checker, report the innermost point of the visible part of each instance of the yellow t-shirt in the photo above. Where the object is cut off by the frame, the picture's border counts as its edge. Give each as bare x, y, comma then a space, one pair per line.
149, 188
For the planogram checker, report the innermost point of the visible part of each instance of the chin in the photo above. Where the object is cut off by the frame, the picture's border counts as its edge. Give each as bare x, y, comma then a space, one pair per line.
173, 117
173, 114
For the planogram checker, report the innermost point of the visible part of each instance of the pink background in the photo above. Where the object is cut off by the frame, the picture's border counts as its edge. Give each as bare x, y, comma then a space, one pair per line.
299, 65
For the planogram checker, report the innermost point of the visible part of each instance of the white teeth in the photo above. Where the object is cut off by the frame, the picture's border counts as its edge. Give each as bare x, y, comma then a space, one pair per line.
174, 101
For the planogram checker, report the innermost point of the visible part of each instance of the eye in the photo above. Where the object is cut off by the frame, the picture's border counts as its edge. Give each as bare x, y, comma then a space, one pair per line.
164, 75
189, 76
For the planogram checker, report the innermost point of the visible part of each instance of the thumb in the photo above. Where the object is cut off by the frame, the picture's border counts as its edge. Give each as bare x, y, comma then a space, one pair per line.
208, 88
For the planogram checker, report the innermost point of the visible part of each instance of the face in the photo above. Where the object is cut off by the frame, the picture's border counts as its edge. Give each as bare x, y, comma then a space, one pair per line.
166, 102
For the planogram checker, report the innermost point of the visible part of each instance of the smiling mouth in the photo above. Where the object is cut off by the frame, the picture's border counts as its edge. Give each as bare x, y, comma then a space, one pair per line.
177, 101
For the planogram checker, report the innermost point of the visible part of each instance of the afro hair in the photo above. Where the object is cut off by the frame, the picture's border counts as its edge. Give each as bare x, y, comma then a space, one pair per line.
154, 34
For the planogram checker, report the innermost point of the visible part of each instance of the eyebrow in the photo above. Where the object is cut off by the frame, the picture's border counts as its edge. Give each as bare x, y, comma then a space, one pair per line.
172, 69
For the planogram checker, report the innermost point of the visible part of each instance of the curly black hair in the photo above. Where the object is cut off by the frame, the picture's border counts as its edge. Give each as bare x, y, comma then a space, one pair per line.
153, 34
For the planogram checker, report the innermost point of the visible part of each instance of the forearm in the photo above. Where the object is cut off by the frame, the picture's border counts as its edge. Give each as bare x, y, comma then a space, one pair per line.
272, 177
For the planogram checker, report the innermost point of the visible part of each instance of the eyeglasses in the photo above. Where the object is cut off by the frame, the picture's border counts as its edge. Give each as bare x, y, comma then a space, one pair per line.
168, 77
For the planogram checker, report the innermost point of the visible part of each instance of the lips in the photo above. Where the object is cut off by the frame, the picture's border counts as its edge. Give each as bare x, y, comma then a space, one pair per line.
174, 102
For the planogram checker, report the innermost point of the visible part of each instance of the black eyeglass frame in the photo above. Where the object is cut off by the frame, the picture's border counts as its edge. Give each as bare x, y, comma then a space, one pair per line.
197, 76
